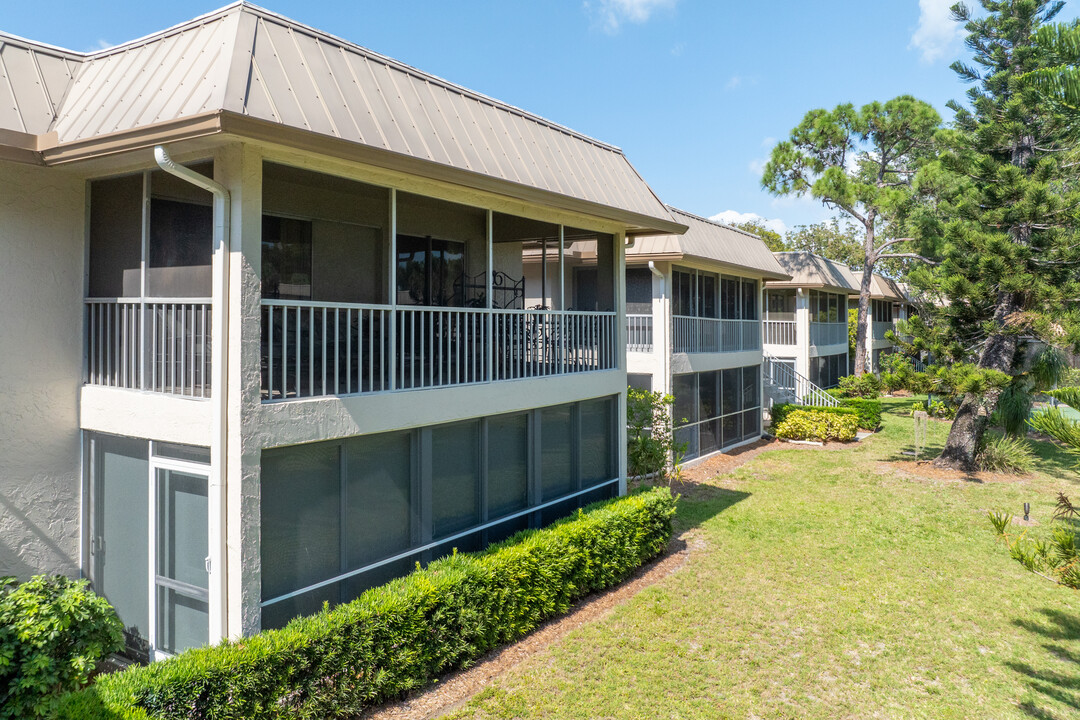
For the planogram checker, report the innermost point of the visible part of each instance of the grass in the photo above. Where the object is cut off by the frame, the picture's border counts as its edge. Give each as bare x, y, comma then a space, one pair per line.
826, 584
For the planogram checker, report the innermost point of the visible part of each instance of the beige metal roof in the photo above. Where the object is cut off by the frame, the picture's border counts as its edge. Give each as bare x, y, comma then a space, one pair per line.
245, 60
711, 241
883, 288
813, 271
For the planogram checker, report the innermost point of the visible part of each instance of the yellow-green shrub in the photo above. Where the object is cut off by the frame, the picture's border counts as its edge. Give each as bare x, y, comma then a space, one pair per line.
818, 425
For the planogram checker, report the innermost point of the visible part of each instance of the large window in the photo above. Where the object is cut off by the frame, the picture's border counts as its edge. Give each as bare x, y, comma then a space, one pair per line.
827, 307
881, 311
696, 293
175, 259
716, 410
826, 370
430, 271
342, 516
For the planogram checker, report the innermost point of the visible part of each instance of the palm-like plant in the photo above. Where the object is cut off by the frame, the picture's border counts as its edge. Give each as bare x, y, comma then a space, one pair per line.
1053, 422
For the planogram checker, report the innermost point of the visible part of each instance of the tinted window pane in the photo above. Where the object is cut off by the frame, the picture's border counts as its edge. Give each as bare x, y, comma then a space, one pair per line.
708, 402
378, 490
597, 441
556, 447
301, 517
455, 477
751, 395
731, 396
508, 464
684, 389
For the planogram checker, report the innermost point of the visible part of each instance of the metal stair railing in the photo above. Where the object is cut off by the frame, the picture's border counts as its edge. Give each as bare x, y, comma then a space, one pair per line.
784, 377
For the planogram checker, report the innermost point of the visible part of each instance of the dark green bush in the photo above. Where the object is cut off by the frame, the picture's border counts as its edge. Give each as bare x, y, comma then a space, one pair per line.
869, 411
780, 412
53, 631
399, 636
860, 386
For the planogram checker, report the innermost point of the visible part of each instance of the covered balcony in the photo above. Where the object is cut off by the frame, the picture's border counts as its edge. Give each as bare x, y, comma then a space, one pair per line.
828, 318
779, 322
147, 308
368, 290
714, 313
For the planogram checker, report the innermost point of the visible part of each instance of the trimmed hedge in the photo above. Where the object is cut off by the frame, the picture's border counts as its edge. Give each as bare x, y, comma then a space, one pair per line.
818, 425
869, 411
399, 636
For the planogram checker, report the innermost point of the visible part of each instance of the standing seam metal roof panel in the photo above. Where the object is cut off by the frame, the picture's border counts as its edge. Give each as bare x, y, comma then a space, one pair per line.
248, 60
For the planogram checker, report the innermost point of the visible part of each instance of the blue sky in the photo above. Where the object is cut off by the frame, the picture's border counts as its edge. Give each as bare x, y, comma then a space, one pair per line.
694, 91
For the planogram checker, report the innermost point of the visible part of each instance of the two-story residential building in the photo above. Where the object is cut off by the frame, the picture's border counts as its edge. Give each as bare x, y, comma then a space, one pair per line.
270, 337
693, 328
806, 326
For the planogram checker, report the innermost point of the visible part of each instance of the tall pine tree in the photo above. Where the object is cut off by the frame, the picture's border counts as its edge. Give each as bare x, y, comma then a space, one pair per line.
1007, 193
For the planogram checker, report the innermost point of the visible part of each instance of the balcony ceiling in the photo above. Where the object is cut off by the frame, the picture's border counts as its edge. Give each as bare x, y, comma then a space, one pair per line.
250, 63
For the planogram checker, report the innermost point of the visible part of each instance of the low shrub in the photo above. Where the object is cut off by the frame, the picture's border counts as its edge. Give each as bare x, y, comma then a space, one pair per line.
650, 440
53, 631
860, 386
1006, 454
818, 425
869, 411
780, 411
396, 637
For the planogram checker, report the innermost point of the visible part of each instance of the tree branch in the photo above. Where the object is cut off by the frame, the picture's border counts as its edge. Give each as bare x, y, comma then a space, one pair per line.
911, 256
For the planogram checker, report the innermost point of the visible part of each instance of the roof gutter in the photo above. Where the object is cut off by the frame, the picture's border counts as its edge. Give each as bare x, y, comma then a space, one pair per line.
216, 562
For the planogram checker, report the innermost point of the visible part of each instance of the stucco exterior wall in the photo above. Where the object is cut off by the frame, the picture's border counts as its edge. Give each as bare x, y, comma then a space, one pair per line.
41, 290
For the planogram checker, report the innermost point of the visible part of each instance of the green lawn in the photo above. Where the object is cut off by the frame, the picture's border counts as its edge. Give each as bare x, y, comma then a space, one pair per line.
822, 584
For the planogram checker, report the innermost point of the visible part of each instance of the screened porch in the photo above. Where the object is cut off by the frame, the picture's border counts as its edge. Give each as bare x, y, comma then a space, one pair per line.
366, 289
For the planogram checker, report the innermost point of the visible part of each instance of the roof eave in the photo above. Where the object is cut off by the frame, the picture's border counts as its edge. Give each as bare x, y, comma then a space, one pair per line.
223, 121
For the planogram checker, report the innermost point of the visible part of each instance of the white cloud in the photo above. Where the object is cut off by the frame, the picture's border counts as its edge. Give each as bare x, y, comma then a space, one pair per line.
609, 15
757, 166
733, 82
937, 33
732, 217
678, 49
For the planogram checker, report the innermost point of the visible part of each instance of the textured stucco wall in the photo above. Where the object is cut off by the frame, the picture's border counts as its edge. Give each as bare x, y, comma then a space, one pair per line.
41, 288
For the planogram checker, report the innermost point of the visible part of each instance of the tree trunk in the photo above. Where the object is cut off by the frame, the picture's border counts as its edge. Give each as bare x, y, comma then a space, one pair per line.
973, 415
862, 327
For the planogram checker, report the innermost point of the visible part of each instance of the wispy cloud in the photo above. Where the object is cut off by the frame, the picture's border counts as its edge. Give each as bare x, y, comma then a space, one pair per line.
678, 49
937, 33
733, 217
101, 44
610, 15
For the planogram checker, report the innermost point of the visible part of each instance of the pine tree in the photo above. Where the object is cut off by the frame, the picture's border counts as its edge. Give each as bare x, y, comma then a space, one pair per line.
860, 162
1006, 189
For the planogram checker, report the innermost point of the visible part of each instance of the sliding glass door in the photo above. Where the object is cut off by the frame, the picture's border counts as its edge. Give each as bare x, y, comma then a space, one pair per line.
150, 549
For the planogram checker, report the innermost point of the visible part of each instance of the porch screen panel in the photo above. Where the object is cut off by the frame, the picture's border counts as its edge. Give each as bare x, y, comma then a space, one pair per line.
121, 499
556, 443
597, 441
455, 477
115, 237
301, 523
508, 464
639, 291
708, 409
181, 244
378, 497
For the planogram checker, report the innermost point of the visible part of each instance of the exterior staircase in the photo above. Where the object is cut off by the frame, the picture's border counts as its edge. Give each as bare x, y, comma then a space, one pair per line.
784, 385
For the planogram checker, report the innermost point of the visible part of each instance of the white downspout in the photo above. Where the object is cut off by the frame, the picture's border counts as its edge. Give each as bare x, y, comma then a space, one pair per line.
219, 396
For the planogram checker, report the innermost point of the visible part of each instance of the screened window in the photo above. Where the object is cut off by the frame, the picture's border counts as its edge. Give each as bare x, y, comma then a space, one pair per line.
716, 410
286, 258
395, 499
826, 370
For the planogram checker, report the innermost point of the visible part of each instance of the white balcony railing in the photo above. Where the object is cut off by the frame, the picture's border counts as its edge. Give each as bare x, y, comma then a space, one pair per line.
155, 344
639, 331
828, 333
779, 332
313, 349
696, 335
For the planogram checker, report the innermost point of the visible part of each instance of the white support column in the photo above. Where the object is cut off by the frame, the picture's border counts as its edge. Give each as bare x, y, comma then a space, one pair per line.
562, 269
392, 287
490, 322
619, 270
802, 332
